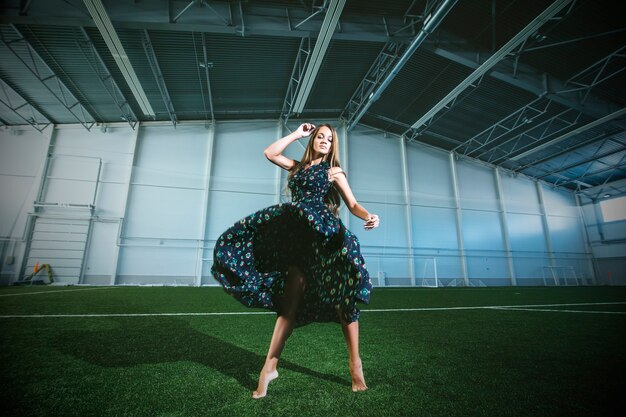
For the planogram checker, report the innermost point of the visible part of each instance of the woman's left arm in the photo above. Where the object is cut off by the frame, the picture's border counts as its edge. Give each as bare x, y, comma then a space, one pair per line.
338, 177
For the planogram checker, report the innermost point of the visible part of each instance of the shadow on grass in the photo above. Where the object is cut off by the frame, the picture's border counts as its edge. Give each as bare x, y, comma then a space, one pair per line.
170, 340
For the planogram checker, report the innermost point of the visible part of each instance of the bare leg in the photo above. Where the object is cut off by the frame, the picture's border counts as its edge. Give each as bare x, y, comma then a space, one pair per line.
294, 289
351, 334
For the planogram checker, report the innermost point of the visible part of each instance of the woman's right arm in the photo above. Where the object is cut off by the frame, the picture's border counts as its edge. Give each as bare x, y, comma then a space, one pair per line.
274, 152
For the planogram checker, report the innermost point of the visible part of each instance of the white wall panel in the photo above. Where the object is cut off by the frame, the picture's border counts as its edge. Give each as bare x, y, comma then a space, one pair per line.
165, 203
429, 177
566, 234
101, 250
16, 197
487, 270
22, 156
448, 268
526, 233
70, 191
530, 270
77, 158
163, 213
482, 230
520, 194
242, 179
112, 144
84, 163
395, 268
109, 200
226, 208
22, 151
559, 202
434, 228
392, 230
477, 187
171, 157
384, 248
157, 265
74, 167
238, 160
117, 171
607, 245
375, 169
167, 198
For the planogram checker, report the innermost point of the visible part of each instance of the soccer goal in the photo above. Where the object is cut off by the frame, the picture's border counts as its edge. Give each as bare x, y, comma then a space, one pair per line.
425, 270
560, 275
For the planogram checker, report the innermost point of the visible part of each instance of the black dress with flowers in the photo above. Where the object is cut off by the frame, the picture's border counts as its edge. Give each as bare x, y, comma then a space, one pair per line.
251, 258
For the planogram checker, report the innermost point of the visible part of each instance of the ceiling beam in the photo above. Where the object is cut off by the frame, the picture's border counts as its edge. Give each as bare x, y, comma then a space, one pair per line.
17, 43
597, 155
300, 64
267, 20
499, 55
158, 76
103, 22
291, 21
526, 78
104, 75
615, 187
314, 63
21, 108
580, 144
539, 132
612, 169
516, 121
369, 91
527, 114
24, 6
571, 133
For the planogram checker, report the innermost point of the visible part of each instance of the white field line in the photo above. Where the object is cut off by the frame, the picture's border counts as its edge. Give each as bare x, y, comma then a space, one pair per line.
52, 291
492, 307
559, 311
529, 307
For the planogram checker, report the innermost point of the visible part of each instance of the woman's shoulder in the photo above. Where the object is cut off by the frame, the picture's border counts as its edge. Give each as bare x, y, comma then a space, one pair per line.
333, 171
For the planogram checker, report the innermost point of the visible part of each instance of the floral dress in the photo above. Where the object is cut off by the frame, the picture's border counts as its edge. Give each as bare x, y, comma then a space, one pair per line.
251, 258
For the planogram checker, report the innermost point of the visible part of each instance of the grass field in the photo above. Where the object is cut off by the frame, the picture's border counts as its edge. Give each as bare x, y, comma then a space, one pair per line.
170, 351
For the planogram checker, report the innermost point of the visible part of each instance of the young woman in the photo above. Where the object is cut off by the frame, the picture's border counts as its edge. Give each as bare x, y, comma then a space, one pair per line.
298, 258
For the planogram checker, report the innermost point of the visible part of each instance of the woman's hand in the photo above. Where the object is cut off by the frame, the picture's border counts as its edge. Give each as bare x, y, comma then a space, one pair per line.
371, 222
305, 129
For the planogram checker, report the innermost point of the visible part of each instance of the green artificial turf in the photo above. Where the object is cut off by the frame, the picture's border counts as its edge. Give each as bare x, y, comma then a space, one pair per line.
126, 351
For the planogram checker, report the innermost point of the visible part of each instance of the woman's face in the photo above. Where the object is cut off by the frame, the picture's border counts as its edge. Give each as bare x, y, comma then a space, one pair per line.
323, 141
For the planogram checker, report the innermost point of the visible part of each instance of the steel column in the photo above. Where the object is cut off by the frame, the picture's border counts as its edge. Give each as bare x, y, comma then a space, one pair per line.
131, 174
459, 220
505, 226
205, 207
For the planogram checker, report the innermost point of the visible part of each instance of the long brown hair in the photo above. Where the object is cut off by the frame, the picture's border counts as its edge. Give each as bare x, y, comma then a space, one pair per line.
332, 199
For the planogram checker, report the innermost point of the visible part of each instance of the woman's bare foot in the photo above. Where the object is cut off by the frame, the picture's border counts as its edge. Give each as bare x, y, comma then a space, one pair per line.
264, 380
358, 380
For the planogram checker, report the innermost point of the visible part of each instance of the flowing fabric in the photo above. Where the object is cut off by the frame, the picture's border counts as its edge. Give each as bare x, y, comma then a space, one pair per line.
252, 257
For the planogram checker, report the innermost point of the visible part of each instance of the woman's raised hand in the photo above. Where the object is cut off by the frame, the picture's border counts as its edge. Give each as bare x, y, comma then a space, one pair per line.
371, 222
305, 129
